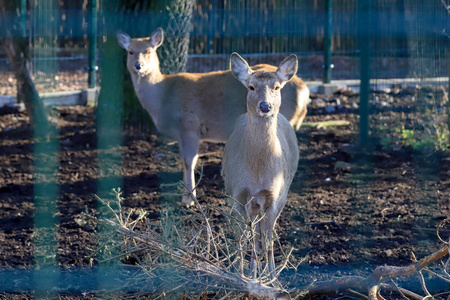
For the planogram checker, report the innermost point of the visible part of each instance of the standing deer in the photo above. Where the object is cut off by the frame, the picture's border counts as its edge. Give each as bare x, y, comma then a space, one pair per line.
194, 107
261, 155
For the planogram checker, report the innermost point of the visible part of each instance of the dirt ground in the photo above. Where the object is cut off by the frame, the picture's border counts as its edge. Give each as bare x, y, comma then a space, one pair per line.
348, 211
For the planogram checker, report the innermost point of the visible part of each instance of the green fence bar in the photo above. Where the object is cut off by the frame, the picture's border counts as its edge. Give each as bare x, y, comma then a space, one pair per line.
448, 91
23, 22
45, 159
46, 191
109, 130
364, 46
92, 40
23, 17
328, 66
45, 38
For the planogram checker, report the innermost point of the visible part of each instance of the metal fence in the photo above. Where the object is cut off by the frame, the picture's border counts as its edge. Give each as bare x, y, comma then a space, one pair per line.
408, 39
381, 43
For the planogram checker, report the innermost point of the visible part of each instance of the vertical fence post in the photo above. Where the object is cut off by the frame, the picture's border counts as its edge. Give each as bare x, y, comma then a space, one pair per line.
212, 27
46, 275
328, 66
448, 83
23, 22
364, 37
23, 17
45, 193
92, 40
109, 134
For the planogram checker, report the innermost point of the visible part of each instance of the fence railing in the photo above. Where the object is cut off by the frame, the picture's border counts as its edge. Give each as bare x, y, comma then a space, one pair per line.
404, 34
363, 40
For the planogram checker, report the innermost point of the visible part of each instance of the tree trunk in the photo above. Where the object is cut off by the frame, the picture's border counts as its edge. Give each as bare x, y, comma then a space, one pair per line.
174, 50
16, 47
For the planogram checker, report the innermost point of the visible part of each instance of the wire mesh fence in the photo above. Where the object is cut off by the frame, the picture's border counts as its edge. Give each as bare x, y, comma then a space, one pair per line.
401, 52
408, 38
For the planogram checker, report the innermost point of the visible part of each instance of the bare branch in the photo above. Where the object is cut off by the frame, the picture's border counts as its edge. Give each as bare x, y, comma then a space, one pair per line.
437, 275
441, 225
379, 275
193, 256
423, 284
374, 293
404, 292
184, 253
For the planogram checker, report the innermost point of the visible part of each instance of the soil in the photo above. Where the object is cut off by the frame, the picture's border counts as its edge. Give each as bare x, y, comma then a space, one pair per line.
348, 211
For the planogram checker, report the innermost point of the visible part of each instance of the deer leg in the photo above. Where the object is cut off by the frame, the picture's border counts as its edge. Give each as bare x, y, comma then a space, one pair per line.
252, 209
267, 227
239, 213
255, 241
189, 153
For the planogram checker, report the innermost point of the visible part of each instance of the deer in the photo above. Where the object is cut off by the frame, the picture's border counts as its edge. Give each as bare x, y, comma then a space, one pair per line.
261, 155
195, 107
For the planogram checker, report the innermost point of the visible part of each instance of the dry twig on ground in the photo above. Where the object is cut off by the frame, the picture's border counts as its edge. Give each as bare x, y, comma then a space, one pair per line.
189, 254
185, 254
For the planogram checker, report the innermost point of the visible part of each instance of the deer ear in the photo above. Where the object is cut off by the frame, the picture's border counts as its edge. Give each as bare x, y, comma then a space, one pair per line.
288, 68
157, 37
123, 39
240, 68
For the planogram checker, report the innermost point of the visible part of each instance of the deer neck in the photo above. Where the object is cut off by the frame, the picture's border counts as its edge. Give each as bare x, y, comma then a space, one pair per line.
261, 141
150, 89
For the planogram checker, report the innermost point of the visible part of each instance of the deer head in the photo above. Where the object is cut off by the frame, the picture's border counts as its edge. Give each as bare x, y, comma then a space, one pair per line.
142, 58
264, 87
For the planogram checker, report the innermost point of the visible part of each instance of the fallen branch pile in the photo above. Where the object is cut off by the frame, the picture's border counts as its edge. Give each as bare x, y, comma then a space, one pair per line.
186, 255
192, 256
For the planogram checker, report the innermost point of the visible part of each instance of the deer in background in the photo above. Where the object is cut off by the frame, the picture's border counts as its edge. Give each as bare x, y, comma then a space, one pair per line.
261, 156
194, 107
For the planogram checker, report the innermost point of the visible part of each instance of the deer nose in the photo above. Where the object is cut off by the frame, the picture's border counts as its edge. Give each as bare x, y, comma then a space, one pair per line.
264, 107
137, 66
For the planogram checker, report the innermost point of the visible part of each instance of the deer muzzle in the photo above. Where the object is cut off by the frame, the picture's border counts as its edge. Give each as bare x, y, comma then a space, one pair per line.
265, 107
138, 66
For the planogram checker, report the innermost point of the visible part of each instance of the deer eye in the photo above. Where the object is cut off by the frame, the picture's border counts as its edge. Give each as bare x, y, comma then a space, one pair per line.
251, 87
147, 51
277, 87
131, 52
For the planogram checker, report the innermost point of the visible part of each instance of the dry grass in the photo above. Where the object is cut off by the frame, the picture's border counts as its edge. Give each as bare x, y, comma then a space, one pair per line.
190, 255
184, 254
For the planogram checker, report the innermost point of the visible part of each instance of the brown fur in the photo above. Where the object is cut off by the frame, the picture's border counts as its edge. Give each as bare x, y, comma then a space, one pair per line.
195, 107
261, 155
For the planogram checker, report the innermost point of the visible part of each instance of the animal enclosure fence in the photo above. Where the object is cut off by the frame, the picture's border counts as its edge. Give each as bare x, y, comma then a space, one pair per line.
409, 39
390, 48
